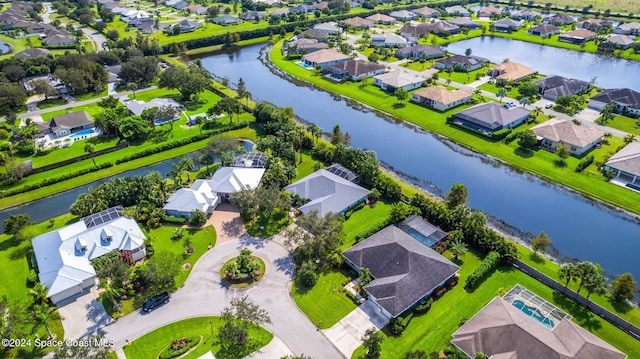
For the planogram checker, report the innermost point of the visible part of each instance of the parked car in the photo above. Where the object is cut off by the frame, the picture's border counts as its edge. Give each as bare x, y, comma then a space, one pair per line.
155, 301
549, 105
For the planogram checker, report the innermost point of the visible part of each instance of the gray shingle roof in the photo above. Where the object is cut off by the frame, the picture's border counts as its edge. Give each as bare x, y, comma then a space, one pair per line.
623, 95
555, 86
404, 269
327, 192
70, 120
627, 159
416, 223
492, 115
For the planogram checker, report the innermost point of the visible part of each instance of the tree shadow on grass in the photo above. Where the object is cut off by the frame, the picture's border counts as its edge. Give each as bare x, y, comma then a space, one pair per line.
523, 152
581, 315
560, 163
536, 258
160, 134
620, 307
398, 105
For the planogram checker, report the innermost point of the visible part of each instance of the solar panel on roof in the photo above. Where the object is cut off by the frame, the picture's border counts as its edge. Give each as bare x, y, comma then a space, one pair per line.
339, 170
103, 216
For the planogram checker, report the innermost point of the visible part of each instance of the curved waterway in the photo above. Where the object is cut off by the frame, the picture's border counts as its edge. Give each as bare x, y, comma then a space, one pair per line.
578, 227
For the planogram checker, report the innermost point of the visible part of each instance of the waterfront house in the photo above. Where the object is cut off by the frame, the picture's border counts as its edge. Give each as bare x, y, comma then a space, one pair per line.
303, 46
489, 11
461, 62
200, 196
136, 107
426, 12
440, 98
391, 81
58, 40
617, 41
388, 40
64, 256
595, 24
227, 20
628, 28
252, 16
552, 87
464, 22
414, 32
627, 101
543, 30
381, 19
187, 25
355, 70
330, 28
457, 10
578, 36
510, 71
229, 180
195, 9
577, 138
626, 165
528, 15
313, 34
64, 125
419, 52
559, 20
507, 25
405, 271
490, 117
327, 192
34, 52
506, 328
324, 58
403, 15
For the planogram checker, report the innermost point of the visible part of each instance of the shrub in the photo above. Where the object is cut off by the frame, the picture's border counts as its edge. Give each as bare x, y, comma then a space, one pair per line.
198, 218
511, 137
489, 263
584, 163
173, 220
32, 278
399, 324
307, 274
372, 229
181, 346
423, 307
356, 208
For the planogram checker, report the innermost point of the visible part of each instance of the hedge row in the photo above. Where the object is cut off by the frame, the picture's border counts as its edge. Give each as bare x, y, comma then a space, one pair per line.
50, 181
584, 163
399, 324
489, 263
179, 143
79, 158
173, 220
373, 229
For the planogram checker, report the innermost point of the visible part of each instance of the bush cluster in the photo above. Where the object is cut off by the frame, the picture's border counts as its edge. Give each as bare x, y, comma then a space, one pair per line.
173, 220
489, 263
399, 324
372, 229
584, 163
355, 208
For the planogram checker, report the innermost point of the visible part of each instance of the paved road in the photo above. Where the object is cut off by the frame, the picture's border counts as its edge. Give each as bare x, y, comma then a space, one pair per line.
204, 294
97, 38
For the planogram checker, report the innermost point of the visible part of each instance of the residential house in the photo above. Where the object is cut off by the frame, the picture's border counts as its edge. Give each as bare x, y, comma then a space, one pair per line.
229, 180
313, 34
441, 27
227, 20
196, 9
355, 70
54, 82
552, 87
279, 12
528, 15
457, 10
34, 52
510, 71
136, 107
595, 24
626, 165
200, 196
327, 193
490, 117
64, 125
324, 58
440, 98
405, 271
187, 25
543, 30
426, 12
193, 119
626, 100
391, 81
330, 28
388, 40
303, 46
252, 16
628, 28
403, 15
489, 11
577, 138
251, 160
321, 5
57, 40
381, 19
359, 23
505, 328
559, 20
507, 25
303, 9
419, 52
64, 256
461, 62
464, 22
617, 41
414, 32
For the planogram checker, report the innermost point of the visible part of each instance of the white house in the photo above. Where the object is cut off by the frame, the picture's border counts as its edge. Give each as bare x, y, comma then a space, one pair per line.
393, 80
229, 180
199, 196
64, 255
388, 40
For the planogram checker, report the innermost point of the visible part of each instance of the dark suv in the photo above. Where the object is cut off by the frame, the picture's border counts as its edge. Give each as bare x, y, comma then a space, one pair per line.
155, 301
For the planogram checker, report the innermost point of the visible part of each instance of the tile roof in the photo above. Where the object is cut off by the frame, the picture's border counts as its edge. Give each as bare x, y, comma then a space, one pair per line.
492, 115
313, 34
325, 55
358, 22
35, 52
508, 23
426, 12
428, 51
398, 79
70, 120
463, 22
512, 71
622, 40
235, 179
357, 67
489, 11
567, 132
620, 95
381, 17
404, 269
442, 94
627, 159
545, 28
579, 33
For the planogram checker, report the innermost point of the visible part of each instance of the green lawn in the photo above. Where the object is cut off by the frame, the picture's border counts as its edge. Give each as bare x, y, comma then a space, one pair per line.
540, 162
433, 330
464, 77
417, 65
150, 345
363, 219
511, 93
625, 123
323, 304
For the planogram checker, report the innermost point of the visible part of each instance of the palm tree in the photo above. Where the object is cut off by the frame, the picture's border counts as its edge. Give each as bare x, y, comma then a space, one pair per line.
186, 166
501, 94
525, 101
112, 293
365, 276
478, 94
596, 283
39, 293
628, 139
246, 95
88, 148
536, 112
316, 131
584, 271
176, 174
457, 248
607, 112
567, 272
44, 314
298, 139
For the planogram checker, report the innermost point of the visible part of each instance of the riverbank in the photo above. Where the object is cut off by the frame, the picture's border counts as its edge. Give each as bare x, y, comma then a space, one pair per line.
541, 163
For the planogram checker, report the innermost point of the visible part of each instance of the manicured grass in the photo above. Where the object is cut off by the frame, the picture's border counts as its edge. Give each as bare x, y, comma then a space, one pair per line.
52, 102
433, 330
625, 123
92, 109
208, 49
323, 304
207, 29
150, 345
539, 162
511, 93
364, 219
464, 77
306, 167
247, 283
417, 65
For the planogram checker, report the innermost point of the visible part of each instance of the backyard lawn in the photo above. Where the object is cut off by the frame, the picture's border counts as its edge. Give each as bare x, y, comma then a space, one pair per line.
152, 344
364, 219
324, 304
625, 123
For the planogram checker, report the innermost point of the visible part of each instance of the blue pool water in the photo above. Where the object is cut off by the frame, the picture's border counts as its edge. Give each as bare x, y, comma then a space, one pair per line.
160, 122
302, 64
427, 241
83, 133
533, 313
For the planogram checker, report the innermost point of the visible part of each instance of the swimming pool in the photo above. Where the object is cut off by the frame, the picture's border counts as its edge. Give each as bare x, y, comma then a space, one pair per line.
533, 313
427, 241
302, 64
82, 134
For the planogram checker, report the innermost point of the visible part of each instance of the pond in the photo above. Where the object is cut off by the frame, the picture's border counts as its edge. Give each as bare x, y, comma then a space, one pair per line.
578, 227
5, 48
610, 72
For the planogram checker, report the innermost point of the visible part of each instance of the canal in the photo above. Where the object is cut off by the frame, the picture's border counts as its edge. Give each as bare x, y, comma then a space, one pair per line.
610, 72
578, 227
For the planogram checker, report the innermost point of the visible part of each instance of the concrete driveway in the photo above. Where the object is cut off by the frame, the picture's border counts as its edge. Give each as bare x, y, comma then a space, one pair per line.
83, 315
347, 334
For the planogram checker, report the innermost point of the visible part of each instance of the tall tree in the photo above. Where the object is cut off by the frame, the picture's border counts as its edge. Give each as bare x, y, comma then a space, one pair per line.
562, 152
371, 341
188, 81
43, 314
340, 138
596, 283
457, 195
540, 243
187, 166
238, 317
88, 148
401, 94
315, 131
623, 288
584, 271
456, 245
502, 93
